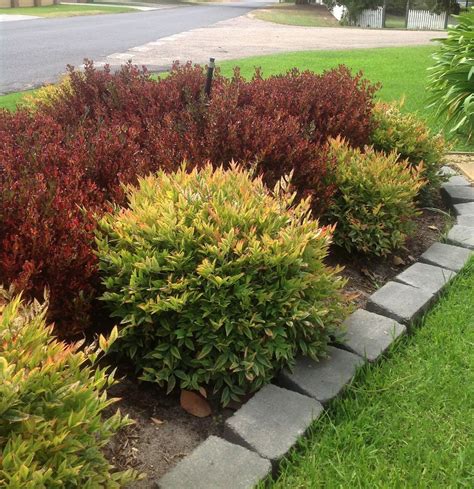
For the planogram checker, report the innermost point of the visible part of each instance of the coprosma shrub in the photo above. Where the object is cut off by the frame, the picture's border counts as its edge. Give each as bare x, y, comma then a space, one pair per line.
51, 402
217, 282
374, 205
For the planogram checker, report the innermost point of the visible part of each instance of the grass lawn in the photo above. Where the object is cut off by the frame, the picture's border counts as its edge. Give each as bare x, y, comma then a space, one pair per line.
66, 10
11, 100
401, 71
406, 422
395, 21
291, 14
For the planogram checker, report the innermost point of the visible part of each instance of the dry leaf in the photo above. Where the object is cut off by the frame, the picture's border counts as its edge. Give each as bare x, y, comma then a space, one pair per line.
157, 421
434, 228
195, 404
203, 392
397, 261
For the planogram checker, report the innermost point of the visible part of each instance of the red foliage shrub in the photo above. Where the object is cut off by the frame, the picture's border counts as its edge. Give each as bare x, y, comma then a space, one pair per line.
45, 236
61, 164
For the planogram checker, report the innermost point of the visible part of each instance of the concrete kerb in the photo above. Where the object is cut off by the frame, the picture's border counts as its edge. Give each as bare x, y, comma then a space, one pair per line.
272, 421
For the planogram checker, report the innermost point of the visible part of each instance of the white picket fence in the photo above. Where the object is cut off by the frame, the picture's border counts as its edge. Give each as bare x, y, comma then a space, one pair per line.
426, 20
371, 18
367, 18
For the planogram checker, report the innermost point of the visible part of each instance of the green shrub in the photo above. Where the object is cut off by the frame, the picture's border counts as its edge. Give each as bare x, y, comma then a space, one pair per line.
374, 204
217, 282
452, 77
49, 95
409, 136
51, 399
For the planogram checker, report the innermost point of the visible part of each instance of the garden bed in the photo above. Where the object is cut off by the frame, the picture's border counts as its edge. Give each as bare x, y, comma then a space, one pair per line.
228, 264
164, 433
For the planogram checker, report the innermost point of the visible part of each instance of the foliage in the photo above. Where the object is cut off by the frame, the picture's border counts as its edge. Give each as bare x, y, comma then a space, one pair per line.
408, 135
217, 282
49, 94
51, 401
45, 235
374, 205
63, 161
438, 6
451, 80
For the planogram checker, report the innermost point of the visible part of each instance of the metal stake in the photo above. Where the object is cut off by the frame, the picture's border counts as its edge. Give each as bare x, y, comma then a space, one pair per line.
210, 74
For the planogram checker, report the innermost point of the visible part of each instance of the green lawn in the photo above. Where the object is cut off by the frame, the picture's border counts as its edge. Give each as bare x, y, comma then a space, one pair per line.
66, 10
406, 422
401, 71
11, 100
395, 21
291, 14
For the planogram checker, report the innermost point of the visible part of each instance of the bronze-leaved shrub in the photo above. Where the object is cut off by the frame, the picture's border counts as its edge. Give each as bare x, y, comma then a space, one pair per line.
408, 135
51, 400
374, 205
217, 282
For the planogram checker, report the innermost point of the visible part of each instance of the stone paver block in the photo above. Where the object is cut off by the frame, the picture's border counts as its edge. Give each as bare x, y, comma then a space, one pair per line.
217, 464
465, 220
369, 334
461, 236
322, 380
463, 209
459, 195
456, 181
426, 277
446, 256
400, 302
271, 422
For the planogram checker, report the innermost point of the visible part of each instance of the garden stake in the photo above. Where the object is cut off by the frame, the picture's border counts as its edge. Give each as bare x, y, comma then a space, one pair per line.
210, 73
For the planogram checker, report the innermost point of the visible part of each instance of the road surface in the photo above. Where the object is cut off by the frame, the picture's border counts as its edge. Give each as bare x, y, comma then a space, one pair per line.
37, 51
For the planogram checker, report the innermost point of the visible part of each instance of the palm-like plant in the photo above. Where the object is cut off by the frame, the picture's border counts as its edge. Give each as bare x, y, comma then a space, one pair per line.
451, 80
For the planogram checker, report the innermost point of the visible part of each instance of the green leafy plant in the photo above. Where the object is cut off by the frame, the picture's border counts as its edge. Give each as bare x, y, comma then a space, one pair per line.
374, 204
217, 282
451, 80
51, 400
49, 95
409, 136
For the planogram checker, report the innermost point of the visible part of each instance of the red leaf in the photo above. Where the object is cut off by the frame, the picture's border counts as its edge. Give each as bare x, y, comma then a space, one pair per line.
194, 404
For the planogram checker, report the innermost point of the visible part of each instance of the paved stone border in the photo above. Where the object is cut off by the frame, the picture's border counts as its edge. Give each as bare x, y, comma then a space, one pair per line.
267, 426
208, 467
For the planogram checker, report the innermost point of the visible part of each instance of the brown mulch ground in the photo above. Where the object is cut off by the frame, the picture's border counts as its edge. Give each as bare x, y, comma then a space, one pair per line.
163, 432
